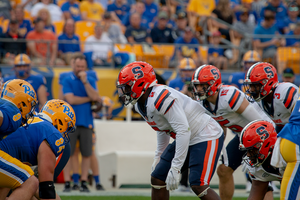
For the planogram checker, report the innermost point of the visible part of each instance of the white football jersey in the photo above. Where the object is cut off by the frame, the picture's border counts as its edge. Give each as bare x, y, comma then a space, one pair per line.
228, 102
174, 114
265, 172
284, 98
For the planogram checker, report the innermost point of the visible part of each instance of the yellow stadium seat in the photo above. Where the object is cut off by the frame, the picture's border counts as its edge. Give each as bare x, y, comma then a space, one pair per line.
27, 15
4, 25
59, 25
84, 29
14, 3
204, 53
124, 47
288, 57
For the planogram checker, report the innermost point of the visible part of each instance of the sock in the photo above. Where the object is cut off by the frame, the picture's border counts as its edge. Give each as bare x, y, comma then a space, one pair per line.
97, 181
76, 178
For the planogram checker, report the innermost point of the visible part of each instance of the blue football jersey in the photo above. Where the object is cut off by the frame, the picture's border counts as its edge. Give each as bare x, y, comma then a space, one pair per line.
237, 79
24, 143
12, 118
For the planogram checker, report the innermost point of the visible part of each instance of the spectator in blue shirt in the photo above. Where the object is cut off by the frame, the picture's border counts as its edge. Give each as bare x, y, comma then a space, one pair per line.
119, 7
292, 18
71, 10
139, 8
135, 32
79, 91
161, 33
216, 55
187, 46
280, 11
267, 27
294, 41
68, 42
181, 24
151, 10
24, 24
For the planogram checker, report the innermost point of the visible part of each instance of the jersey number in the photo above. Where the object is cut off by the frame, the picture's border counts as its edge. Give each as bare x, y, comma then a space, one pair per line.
277, 95
236, 128
59, 142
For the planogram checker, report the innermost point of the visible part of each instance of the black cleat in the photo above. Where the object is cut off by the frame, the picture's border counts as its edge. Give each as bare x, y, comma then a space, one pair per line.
83, 187
99, 187
75, 187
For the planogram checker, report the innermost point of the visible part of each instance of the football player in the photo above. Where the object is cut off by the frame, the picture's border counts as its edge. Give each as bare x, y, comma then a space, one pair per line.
258, 139
276, 99
232, 109
287, 148
237, 78
17, 104
198, 138
38, 144
22, 67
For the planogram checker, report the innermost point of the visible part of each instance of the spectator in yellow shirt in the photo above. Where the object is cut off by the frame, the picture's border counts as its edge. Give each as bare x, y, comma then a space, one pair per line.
91, 10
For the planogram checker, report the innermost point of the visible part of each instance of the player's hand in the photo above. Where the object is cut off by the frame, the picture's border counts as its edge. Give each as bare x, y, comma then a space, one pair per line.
82, 76
173, 179
155, 162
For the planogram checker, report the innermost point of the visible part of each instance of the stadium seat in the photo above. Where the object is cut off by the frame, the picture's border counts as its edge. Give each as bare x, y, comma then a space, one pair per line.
27, 15
59, 25
204, 53
124, 48
4, 25
288, 57
84, 29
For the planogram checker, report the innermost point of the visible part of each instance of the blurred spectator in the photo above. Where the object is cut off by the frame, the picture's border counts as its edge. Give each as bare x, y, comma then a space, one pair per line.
28, 4
22, 68
71, 10
140, 9
215, 53
100, 44
113, 30
257, 6
267, 27
244, 25
120, 7
294, 41
280, 13
170, 23
223, 12
187, 46
44, 49
247, 5
161, 33
12, 47
292, 18
288, 75
91, 10
151, 9
135, 32
5, 9
68, 42
181, 24
54, 10
24, 24
45, 16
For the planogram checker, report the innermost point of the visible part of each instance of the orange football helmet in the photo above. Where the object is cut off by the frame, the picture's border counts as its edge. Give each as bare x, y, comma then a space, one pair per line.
133, 81
258, 139
62, 116
207, 74
22, 94
262, 78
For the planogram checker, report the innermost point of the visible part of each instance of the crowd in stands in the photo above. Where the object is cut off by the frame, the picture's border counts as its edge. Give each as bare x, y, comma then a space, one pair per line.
54, 30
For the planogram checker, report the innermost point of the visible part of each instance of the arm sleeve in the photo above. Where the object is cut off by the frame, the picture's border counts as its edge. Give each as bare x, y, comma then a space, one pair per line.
175, 115
234, 98
162, 142
67, 87
251, 114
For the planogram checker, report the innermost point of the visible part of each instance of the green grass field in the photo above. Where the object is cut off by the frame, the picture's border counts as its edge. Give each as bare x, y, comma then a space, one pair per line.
132, 198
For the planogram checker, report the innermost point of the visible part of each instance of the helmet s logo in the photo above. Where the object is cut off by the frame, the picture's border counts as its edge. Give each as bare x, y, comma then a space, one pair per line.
261, 131
215, 73
269, 72
28, 91
137, 71
68, 111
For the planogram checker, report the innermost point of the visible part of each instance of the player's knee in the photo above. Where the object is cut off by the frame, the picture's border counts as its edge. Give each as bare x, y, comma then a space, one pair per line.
200, 191
155, 181
224, 171
32, 183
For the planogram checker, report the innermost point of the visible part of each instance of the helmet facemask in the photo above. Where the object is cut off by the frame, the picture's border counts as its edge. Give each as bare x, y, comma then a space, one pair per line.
258, 89
206, 88
256, 158
30, 114
58, 124
125, 92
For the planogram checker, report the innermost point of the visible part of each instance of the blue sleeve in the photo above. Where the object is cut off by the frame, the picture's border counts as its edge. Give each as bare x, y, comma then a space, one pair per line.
65, 7
11, 120
110, 7
63, 160
171, 84
93, 74
56, 143
210, 51
67, 86
92, 81
60, 44
256, 31
125, 20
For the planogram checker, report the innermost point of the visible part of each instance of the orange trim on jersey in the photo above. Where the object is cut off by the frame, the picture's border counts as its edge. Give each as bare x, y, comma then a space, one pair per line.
206, 158
161, 98
289, 97
213, 160
234, 99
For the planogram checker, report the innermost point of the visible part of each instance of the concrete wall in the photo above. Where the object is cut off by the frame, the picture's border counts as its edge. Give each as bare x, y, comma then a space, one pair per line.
125, 152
